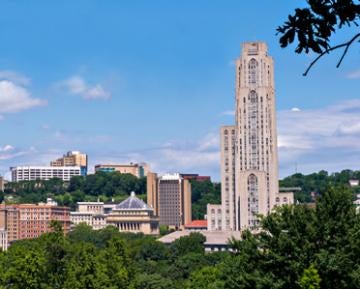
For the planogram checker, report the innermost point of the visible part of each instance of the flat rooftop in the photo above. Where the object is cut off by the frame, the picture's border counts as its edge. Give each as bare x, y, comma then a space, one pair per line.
212, 237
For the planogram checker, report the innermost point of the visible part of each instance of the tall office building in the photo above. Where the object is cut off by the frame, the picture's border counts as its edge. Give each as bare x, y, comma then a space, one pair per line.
249, 162
152, 191
72, 159
170, 197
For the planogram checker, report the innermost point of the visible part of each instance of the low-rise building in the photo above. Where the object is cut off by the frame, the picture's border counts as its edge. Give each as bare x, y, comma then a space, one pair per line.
214, 240
90, 213
353, 183
214, 217
197, 225
135, 216
284, 198
138, 170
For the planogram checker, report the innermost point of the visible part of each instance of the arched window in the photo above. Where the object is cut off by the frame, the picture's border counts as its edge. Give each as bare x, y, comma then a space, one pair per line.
253, 198
253, 118
253, 71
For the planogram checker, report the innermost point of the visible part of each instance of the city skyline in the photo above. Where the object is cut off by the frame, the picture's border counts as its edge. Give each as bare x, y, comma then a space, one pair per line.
122, 92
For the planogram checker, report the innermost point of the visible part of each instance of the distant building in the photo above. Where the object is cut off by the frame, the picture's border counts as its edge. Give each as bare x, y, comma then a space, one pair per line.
25, 221
134, 216
72, 159
197, 225
284, 198
357, 203
214, 217
153, 192
32, 173
90, 213
353, 183
196, 177
214, 240
138, 170
2, 183
170, 196
9, 221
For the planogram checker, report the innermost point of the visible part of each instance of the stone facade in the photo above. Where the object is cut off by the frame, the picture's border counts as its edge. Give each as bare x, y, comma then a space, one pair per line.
134, 216
249, 161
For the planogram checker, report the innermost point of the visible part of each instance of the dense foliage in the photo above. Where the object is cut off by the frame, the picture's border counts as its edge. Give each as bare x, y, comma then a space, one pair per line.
315, 184
204, 193
102, 186
102, 259
298, 247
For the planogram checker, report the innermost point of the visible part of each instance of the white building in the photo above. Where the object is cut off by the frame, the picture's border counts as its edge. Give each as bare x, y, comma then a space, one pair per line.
249, 162
32, 173
90, 213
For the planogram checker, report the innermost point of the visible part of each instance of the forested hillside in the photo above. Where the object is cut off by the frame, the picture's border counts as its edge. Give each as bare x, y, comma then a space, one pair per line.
319, 182
116, 187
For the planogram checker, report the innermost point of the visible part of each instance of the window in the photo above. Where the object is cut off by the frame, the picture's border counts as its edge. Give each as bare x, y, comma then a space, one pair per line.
253, 196
253, 116
253, 71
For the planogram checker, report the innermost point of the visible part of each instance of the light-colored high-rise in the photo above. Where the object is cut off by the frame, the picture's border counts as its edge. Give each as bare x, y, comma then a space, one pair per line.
72, 159
249, 162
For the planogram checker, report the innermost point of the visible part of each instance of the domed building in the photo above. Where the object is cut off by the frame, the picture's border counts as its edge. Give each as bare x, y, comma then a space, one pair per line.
134, 216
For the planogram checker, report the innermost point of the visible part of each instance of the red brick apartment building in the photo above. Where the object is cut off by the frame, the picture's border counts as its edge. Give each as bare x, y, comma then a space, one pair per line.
26, 221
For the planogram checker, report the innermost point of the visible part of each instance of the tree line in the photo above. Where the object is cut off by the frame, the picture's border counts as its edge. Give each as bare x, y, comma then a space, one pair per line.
116, 187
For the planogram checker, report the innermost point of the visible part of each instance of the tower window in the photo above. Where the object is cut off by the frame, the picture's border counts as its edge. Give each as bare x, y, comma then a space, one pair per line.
253, 71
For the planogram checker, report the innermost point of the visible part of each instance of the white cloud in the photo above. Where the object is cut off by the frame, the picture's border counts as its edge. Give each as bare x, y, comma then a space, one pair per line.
78, 86
353, 74
323, 138
295, 109
6, 148
16, 98
14, 77
202, 156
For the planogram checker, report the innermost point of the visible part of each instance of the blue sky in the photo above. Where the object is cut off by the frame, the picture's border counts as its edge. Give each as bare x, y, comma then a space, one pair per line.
154, 80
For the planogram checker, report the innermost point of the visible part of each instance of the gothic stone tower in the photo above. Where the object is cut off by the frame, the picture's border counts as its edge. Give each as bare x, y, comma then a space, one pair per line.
256, 161
249, 162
